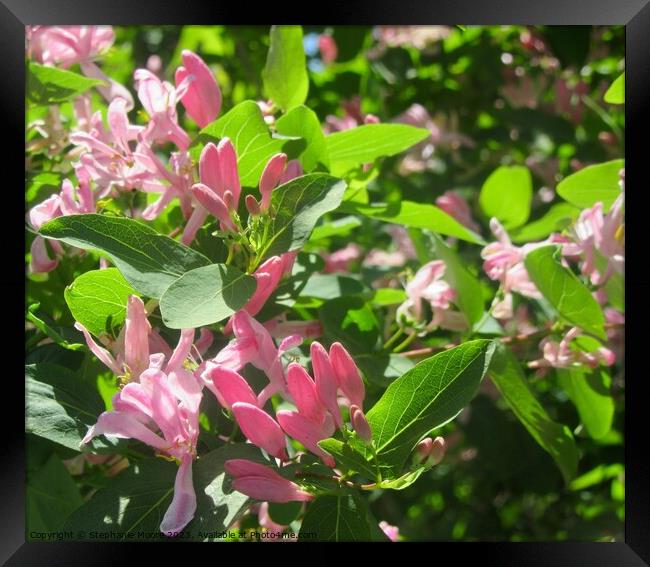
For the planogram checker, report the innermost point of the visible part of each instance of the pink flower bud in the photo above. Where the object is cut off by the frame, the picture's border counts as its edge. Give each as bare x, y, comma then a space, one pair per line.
252, 206
261, 429
347, 374
303, 391
267, 277
263, 483
307, 432
422, 450
360, 424
202, 96
326, 383
213, 203
270, 177
229, 386
136, 337
437, 452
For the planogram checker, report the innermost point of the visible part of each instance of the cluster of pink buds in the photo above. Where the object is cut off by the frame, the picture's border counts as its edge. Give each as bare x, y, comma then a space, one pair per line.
428, 288
562, 355
429, 452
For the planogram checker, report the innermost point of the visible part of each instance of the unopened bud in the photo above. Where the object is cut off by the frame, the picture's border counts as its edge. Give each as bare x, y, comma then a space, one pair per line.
437, 452
422, 450
252, 206
229, 199
360, 424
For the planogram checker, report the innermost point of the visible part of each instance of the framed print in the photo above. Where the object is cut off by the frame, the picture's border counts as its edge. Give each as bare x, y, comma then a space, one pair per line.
355, 281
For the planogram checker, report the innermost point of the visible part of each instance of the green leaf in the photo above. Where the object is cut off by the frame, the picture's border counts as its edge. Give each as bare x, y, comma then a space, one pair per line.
589, 390
347, 457
205, 295
615, 94
48, 330
284, 513
285, 74
555, 438
132, 506
349, 319
40, 185
381, 369
558, 217
338, 227
302, 122
592, 184
298, 205
403, 481
388, 296
342, 517
425, 398
250, 135
507, 194
414, 215
470, 293
52, 496
331, 286
97, 299
597, 475
148, 260
564, 291
50, 85
59, 406
364, 144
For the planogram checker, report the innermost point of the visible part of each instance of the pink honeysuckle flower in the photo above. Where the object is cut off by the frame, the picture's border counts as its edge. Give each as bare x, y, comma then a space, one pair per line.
428, 287
326, 382
267, 278
159, 100
347, 374
454, 205
303, 391
161, 411
562, 355
308, 432
270, 178
254, 345
596, 233
228, 386
261, 429
340, 260
200, 95
360, 424
504, 262
179, 180
392, 532
263, 483
279, 328
67, 45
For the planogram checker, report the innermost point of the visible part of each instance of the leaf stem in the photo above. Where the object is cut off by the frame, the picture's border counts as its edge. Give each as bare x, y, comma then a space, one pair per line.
393, 339
406, 342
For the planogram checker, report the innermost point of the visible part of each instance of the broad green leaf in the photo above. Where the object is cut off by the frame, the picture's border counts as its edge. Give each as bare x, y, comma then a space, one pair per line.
331, 286
342, 517
507, 194
364, 144
349, 319
555, 438
51, 85
338, 227
425, 398
414, 215
205, 295
615, 94
345, 456
97, 299
564, 291
388, 296
302, 122
592, 184
39, 186
132, 506
558, 217
470, 294
250, 135
597, 475
298, 205
59, 405
284, 513
52, 496
148, 260
589, 390
285, 74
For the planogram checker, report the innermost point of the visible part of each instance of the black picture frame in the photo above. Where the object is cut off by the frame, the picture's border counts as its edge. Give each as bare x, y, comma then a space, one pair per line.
634, 14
